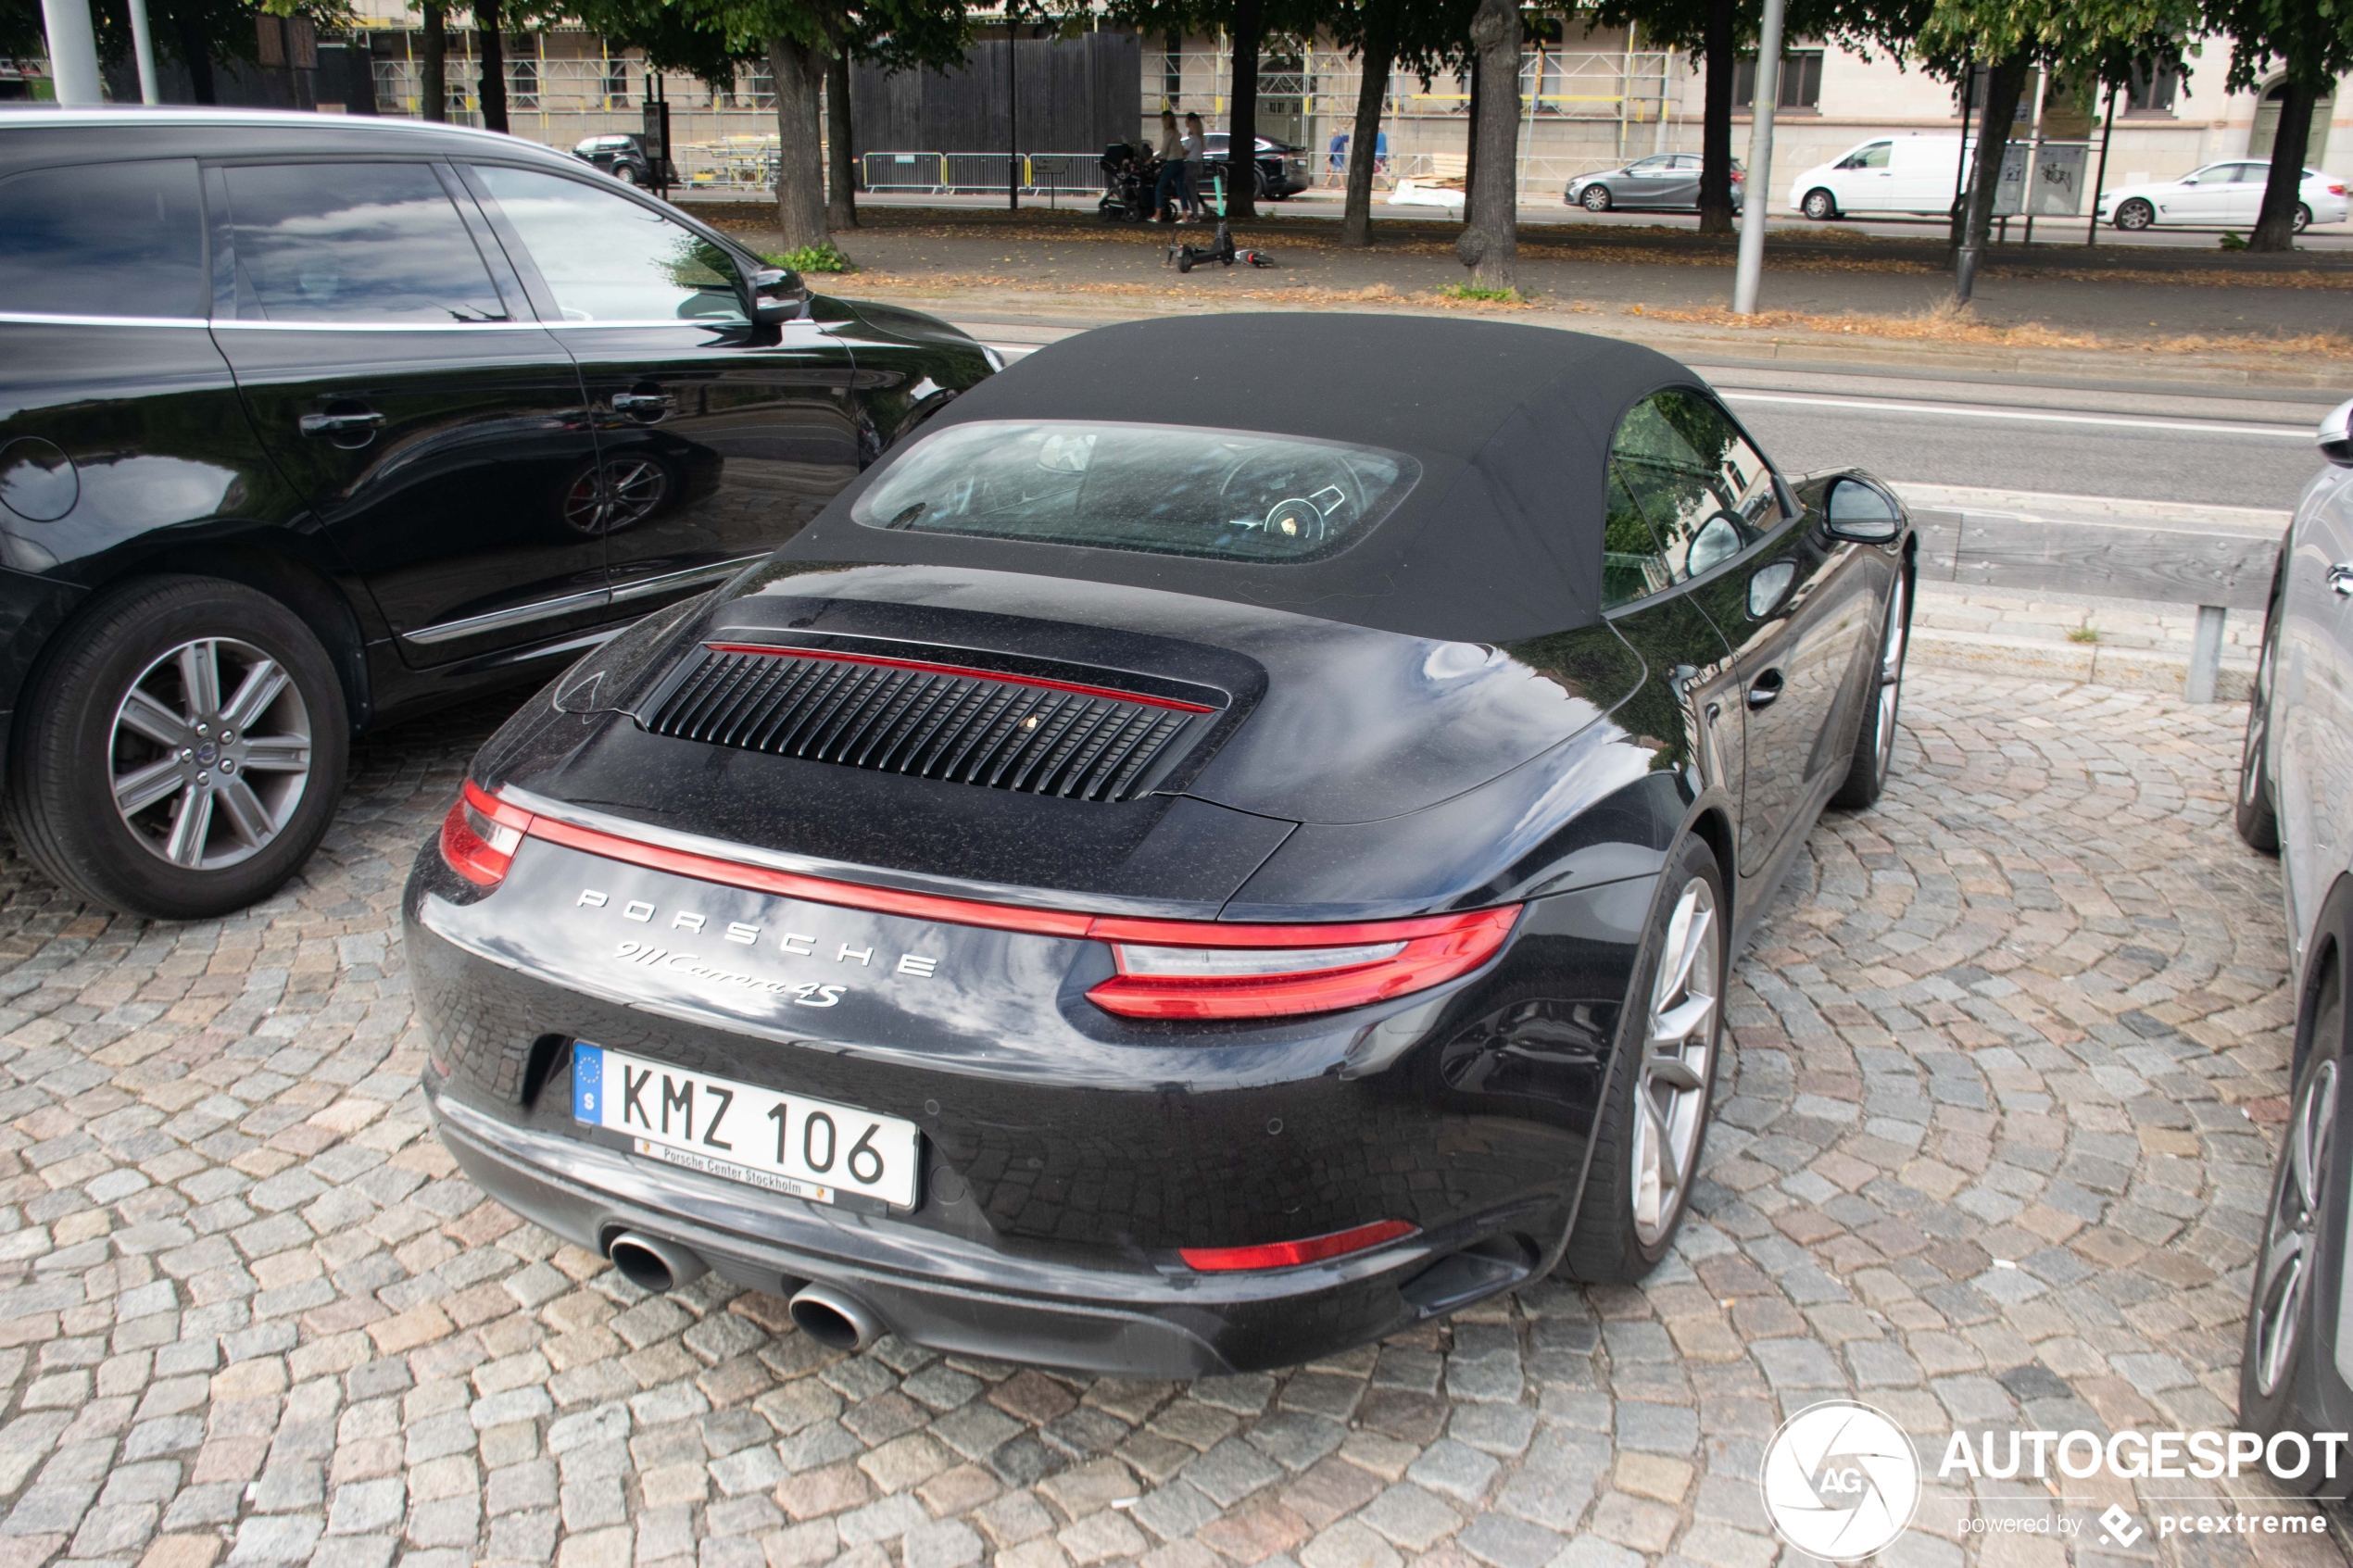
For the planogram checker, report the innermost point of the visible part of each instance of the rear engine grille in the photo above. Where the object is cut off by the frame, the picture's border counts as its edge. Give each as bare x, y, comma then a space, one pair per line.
933, 721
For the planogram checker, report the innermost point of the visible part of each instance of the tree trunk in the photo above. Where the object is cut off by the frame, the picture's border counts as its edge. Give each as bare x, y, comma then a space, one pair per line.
195, 52
491, 44
800, 169
2275, 228
1489, 241
2005, 84
433, 66
1241, 124
841, 170
1470, 136
1363, 141
1716, 126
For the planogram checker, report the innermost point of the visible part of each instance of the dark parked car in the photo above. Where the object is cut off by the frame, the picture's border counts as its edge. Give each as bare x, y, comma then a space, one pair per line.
1283, 170
1669, 179
307, 422
2295, 800
1165, 875
623, 154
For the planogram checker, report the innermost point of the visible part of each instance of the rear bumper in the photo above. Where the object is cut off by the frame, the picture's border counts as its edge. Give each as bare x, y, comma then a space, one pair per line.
1064, 1171
951, 1294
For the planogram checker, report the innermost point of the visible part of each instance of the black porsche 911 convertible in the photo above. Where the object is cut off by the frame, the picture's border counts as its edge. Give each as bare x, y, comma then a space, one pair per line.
1165, 875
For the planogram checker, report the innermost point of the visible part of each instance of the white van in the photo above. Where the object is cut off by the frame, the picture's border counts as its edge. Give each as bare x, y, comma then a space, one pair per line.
1912, 174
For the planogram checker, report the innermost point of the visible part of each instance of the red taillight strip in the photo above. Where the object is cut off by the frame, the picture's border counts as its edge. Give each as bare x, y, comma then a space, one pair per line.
959, 670
1291, 1254
815, 890
973, 911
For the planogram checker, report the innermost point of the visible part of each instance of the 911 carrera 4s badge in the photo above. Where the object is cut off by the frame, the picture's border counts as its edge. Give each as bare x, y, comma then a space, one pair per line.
809, 1149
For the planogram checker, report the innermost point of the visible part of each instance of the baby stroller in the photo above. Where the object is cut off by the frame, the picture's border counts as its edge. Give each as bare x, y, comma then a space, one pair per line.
1129, 177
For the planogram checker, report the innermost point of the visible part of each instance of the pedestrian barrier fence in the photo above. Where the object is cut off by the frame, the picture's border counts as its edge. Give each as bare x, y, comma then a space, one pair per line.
943, 174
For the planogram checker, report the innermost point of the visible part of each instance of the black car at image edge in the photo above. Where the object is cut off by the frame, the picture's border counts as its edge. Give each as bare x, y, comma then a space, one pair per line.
1166, 875
309, 424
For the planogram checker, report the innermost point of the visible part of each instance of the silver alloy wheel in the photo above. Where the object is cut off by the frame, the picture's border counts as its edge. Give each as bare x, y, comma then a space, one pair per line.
1595, 199
2258, 728
1891, 675
204, 782
2290, 1239
1671, 1096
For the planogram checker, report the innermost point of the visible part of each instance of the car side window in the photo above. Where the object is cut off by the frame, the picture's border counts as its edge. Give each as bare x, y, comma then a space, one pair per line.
606, 258
353, 242
1706, 493
1873, 156
107, 239
1633, 567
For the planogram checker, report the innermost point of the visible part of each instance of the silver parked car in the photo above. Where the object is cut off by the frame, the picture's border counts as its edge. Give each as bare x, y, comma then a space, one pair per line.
2295, 800
1667, 180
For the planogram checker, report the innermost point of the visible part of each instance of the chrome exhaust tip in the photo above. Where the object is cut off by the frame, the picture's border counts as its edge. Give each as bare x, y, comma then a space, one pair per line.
836, 1321
650, 1263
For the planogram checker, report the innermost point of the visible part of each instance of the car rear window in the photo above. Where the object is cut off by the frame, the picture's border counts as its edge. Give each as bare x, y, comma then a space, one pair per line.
1166, 489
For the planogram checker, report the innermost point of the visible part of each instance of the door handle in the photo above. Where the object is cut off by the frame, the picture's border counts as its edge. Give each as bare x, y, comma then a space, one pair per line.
2341, 578
1767, 687
339, 424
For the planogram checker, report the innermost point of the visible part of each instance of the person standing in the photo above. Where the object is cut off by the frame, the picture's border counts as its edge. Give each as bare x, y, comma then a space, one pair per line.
1336, 156
1196, 148
1173, 183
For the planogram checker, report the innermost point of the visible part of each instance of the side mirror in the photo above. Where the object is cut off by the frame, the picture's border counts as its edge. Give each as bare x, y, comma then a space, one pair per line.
777, 294
1861, 512
2337, 435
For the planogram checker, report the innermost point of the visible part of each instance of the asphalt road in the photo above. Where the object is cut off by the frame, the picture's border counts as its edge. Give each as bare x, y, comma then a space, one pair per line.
2137, 446
2101, 442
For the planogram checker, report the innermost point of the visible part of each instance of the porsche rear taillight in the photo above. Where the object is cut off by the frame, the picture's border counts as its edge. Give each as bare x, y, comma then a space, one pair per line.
1167, 967
1187, 969
480, 834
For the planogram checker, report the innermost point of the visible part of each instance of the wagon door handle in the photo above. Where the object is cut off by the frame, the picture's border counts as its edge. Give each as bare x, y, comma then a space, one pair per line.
339, 424
1767, 689
2341, 578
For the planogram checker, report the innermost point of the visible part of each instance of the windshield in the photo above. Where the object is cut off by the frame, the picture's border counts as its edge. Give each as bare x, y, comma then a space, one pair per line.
1167, 489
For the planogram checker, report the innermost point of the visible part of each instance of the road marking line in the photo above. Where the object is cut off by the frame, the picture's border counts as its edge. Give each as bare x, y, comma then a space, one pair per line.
2032, 416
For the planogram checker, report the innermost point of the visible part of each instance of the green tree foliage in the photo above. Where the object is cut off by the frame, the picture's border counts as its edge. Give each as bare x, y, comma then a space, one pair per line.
2312, 41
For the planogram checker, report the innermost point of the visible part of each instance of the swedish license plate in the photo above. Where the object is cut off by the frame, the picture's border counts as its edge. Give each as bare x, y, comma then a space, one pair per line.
787, 1143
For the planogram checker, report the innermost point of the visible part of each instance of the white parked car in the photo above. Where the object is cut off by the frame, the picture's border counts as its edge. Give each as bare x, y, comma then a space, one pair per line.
2221, 195
1914, 174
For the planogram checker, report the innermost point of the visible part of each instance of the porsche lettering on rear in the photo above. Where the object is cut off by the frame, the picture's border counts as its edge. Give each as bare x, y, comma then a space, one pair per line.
800, 945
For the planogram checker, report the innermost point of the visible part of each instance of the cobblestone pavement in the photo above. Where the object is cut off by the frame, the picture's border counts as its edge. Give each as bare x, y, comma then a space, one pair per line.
2008, 1050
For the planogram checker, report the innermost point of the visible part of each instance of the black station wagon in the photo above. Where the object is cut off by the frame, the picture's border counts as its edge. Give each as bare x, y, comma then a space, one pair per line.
309, 422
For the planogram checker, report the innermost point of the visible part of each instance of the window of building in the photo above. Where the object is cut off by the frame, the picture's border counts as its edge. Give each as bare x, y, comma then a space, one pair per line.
1801, 82
2152, 88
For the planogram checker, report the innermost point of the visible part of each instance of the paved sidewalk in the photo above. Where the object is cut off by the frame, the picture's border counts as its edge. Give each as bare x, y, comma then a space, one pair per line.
1990, 1150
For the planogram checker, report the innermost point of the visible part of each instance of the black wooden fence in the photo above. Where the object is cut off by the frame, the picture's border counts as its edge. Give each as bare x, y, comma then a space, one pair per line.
1075, 94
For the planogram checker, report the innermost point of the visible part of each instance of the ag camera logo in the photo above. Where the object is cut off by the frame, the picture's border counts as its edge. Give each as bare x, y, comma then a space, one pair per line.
1841, 1481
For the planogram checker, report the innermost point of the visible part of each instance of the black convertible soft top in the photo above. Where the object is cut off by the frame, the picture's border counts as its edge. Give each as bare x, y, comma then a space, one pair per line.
1501, 539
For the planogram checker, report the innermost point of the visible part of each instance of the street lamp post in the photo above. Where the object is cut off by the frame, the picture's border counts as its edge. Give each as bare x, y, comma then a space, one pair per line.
73, 53
1760, 160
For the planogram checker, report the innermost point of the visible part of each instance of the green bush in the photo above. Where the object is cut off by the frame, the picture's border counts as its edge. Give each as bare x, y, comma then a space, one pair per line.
822, 257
